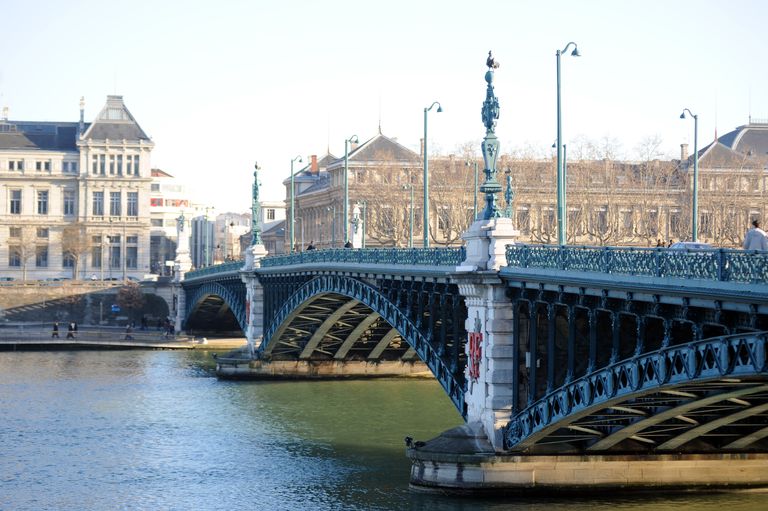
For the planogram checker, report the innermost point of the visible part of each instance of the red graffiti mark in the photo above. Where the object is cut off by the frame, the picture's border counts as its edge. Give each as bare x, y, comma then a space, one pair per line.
475, 352
248, 311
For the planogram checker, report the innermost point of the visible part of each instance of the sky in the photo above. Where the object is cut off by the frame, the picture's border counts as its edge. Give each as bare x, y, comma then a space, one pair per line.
221, 85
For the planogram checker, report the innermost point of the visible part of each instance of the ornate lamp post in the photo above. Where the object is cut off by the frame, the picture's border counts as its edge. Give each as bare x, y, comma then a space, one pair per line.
290, 249
409, 186
351, 140
256, 207
426, 174
695, 206
490, 144
561, 220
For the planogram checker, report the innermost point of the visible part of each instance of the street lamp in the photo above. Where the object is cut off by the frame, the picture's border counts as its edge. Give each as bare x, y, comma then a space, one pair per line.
333, 224
695, 207
426, 174
290, 249
474, 207
561, 220
351, 140
409, 186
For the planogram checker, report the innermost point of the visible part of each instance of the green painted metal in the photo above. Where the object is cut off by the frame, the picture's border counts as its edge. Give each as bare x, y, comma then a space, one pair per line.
562, 220
216, 269
351, 140
426, 174
490, 144
695, 202
255, 210
388, 256
292, 218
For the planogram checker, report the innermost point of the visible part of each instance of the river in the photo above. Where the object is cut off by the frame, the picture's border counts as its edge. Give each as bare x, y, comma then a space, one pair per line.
155, 430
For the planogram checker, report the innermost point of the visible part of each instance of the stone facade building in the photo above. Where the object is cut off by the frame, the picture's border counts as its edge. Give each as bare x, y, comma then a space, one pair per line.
74, 197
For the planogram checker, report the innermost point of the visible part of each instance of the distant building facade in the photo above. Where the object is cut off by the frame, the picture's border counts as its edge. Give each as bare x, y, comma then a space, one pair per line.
74, 197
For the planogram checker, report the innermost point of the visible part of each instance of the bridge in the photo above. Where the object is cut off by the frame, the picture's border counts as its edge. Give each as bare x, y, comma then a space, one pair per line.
558, 351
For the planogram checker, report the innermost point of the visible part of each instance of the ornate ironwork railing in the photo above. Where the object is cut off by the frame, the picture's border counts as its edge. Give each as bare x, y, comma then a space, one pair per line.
727, 265
214, 270
392, 256
736, 355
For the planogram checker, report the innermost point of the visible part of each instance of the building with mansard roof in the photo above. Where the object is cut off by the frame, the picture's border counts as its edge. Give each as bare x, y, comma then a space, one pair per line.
74, 197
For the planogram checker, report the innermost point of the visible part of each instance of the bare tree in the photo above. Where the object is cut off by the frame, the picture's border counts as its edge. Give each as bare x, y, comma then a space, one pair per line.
130, 297
22, 246
75, 243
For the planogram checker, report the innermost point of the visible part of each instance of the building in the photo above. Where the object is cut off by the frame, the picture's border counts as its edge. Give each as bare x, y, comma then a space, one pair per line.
167, 202
74, 196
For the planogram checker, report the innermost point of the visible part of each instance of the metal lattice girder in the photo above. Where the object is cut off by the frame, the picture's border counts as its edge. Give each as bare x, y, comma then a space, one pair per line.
671, 395
339, 290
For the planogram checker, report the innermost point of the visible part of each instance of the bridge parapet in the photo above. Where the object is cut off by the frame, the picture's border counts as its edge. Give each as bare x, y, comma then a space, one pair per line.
451, 256
723, 265
216, 269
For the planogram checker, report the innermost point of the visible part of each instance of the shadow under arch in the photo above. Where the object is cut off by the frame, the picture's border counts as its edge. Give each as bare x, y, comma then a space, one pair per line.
211, 303
450, 376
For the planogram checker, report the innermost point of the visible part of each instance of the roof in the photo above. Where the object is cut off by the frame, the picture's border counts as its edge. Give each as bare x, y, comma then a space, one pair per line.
160, 173
115, 122
378, 149
750, 139
42, 136
718, 155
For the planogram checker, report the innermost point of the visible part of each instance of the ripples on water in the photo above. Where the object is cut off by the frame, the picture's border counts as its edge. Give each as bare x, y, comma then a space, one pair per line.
156, 430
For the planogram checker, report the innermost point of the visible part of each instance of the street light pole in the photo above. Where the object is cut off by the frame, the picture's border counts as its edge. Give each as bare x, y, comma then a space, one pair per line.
351, 140
290, 248
410, 237
561, 220
426, 174
695, 205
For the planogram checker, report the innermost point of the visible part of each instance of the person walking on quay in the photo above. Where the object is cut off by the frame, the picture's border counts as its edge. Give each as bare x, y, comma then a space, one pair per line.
755, 239
55, 333
71, 330
128, 332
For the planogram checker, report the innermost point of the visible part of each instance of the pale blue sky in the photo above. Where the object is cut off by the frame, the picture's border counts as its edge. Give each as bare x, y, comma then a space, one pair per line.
218, 85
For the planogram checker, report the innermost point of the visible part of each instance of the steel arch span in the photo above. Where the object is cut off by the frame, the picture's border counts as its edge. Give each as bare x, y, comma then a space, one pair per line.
704, 396
233, 298
338, 295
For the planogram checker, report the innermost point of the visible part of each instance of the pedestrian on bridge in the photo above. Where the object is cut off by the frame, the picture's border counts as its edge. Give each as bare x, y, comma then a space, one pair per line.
55, 333
311, 245
755, 239
71, 330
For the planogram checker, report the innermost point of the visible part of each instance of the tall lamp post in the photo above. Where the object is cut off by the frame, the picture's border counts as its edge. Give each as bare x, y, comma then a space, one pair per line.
409, 186
474, 207
426, 174
561, 220
351, 140
290, 248
695, 206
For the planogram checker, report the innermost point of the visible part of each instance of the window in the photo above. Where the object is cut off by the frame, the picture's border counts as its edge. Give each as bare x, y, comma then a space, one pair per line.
42, 202
42, 232
675, 223
132, 165
69, 202
111, 164
98, 203
114, 255
115, 208
133, 204
15, 205
706, 223
14, 232
43, 165
156, 222
270, 214
155, 202
67, 260
136, 165
132, 239
96, 256
69, 166
131, 257
41, 256
119, 164
16, 165
155, 187
99, 163
14, 255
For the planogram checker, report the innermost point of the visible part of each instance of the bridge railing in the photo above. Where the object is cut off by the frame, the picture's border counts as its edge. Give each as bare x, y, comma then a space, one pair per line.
451, 256
727, 265
214, 270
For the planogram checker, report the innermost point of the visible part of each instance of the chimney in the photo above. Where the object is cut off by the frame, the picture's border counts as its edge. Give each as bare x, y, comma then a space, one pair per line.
82, 116
313, 169
683, 152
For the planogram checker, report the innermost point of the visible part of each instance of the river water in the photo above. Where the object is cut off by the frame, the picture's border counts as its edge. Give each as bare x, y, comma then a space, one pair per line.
155, 430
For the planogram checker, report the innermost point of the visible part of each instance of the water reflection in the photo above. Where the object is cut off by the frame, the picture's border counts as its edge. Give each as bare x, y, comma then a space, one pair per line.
156, 430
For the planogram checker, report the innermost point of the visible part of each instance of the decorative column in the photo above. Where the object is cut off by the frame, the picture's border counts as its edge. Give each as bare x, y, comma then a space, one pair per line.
181, 265
490, 319
254, 301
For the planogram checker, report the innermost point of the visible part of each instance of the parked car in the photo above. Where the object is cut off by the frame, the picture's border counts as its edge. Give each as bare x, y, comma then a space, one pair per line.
7, 279
691, 245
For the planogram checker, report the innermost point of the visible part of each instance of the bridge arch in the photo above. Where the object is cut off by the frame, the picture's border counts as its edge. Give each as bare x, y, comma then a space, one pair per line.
340, 294
670, 399
215, 302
